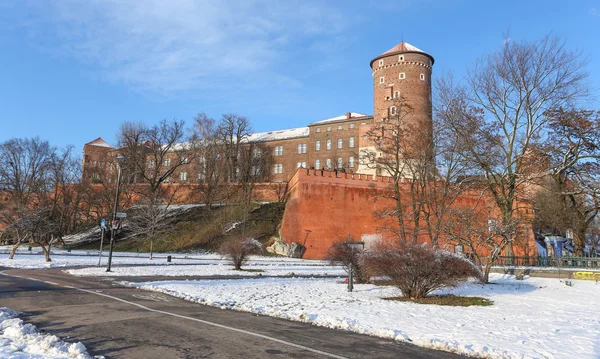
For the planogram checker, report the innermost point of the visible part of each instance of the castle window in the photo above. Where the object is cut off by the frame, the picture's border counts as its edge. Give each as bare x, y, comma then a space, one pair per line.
396, 94
329, 129
340, 143
151, 164
278, 150
388, 93
317, 164
351, 125
255, 171
393, 110
422, 77
183, 176
318, 130
302, 148
301, 165
402, 76
340, 162
351, 162
340, 127
278, 168
328, 144
381, 79
318, 146
401, 58
351, 142
167, 162
329, 163
381, 62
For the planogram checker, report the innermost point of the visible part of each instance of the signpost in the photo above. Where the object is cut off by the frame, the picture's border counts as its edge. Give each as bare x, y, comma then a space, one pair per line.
102, 228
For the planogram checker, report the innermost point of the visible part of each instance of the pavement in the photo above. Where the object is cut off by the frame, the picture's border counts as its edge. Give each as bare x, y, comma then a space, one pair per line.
122, 322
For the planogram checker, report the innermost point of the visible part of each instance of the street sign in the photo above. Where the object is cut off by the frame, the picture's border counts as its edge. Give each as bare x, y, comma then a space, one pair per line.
121, 215
103, 223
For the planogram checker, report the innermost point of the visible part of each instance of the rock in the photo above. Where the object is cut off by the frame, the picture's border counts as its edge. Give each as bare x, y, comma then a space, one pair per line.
295, 250
292, 250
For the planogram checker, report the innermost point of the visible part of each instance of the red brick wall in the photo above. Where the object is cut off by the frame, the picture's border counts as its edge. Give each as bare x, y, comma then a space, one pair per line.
324, 208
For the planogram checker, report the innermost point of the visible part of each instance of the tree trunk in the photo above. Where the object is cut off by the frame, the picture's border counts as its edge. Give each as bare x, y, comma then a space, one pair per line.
151, 241
46, 252
486, 272
579, 242
14, 249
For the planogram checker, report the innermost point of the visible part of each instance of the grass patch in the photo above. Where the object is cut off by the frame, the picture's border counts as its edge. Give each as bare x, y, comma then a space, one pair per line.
450, 300
252, 270
202, 229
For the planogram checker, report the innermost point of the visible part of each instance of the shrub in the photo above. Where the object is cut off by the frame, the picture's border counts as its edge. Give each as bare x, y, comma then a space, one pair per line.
238, 249
418, 270
343, 253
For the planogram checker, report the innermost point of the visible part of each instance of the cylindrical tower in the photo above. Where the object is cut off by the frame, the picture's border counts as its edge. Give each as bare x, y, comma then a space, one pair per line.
403, 74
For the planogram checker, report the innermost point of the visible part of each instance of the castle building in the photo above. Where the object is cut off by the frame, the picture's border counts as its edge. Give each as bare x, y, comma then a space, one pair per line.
324, 207
338, 143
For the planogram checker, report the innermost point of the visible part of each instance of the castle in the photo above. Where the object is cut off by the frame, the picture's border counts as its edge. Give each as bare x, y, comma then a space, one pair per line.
335, 143
333, 194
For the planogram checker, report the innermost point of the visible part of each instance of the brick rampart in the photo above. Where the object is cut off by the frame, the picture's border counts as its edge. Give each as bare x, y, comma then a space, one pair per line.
324, 207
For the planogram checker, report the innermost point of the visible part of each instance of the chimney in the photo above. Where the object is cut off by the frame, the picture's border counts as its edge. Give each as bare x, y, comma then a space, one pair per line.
348, 115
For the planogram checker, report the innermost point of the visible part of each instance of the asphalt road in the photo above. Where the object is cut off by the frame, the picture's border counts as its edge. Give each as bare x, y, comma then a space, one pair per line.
119, 322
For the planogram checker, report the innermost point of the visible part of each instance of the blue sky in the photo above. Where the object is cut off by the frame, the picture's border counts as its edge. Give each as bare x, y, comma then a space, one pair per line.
71, 71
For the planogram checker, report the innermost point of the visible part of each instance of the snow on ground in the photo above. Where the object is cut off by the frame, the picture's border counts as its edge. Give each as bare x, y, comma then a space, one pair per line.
532, 318
22, 341
213, 270
62, 258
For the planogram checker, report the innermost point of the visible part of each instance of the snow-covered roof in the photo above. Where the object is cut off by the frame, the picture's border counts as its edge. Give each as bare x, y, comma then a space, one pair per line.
353, 115
400, 48
256, 137
99, 142
278, 135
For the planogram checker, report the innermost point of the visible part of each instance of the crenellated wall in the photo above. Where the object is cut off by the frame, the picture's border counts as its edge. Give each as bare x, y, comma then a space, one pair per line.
324, 207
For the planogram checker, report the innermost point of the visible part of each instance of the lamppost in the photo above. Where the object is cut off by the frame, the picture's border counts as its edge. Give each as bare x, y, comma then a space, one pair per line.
120, 160
354, 246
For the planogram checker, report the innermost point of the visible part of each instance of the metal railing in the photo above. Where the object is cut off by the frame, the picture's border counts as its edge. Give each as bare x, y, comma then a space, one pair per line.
538, 261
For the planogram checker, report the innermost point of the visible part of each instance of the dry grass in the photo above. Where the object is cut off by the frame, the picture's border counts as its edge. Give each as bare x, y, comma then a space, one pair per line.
449, 300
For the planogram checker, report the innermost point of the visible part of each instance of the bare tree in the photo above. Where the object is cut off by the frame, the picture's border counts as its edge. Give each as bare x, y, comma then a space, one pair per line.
154, 155
210, 165
481, 235
43, 197
151, 218
573, 162
409, 153
24, 168
233, 132
499, 114
391, 157
256, 161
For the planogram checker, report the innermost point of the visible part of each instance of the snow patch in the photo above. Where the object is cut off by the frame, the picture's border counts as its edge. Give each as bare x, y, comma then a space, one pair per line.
23, 341
532, 318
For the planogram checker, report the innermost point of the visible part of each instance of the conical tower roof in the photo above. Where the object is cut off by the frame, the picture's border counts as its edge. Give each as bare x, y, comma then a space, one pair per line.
401, 48
99, 142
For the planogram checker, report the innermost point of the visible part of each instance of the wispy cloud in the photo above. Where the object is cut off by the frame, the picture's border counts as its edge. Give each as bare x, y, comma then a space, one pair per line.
185, 45
593, 11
